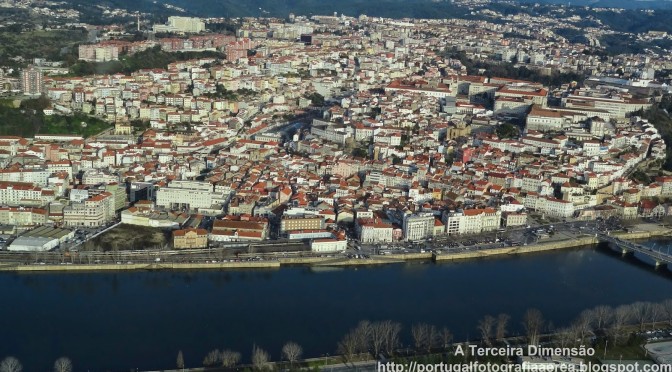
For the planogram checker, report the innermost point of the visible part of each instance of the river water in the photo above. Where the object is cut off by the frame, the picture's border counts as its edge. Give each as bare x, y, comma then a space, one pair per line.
122, 321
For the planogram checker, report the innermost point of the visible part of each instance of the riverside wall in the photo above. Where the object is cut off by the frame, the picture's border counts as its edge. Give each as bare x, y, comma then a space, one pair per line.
132, 267
340, 261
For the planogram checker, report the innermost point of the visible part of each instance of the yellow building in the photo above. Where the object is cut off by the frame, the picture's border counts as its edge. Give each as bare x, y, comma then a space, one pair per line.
458, 130
190, 238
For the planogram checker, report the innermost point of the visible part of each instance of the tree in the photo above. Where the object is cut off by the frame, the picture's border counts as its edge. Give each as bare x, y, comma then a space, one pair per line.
602, 316
641, 311
446, 337
502, 322
391, 331
563, 337
485, 327
292, 352
10, 364
583, 323
230, 358
360, 153
507, 130
622, 315
348, 345
419, 333
259, 357
180, 360
363, 336
425, 336
377, 337
667, 306
63, 364
657, 312
316, 99
212, 359
533, 322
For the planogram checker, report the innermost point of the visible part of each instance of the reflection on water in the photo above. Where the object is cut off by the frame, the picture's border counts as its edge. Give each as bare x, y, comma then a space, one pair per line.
141, 319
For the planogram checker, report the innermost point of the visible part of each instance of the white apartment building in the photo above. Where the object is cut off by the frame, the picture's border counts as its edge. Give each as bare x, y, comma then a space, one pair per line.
96, 177
23, 216
328, 245
94, 211
472, 221
549, 206
20, 193
38, 177
181, 25
375, 233
418, 226
186, 195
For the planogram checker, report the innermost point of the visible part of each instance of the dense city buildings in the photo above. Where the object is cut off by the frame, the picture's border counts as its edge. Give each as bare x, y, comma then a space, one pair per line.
308, 129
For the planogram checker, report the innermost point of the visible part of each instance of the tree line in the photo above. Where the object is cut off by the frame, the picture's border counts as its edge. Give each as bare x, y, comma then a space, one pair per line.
11, 364
617, 325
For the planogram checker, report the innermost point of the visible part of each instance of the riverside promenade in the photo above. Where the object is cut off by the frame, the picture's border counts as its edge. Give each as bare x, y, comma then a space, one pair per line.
559, 242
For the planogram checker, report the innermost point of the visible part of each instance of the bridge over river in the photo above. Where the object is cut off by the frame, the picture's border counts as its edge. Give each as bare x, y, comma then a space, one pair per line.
627, 247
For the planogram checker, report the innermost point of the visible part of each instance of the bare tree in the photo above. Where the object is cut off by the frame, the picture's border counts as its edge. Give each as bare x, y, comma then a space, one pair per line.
212, 359
602, 316
377, 337
180, 360
446, 337
657, 313
582, 324
392, 330
502, 323
641, 311
260, 358
419, 333
230, 358
667, 305
622, 315
432, 338
10, 364
63, 364
533, 322
292, 352
485, 327
348, 345
563, 337
363, 336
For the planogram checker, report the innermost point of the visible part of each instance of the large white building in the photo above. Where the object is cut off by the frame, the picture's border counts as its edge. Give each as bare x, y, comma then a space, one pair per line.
181, 25
328, 245
418, 226
472, 221
21, 193
549, 206
94, 211
186, 195
375, 232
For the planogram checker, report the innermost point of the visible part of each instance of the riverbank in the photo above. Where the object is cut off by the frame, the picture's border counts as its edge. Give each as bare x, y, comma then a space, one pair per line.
550, 245
559, 243
150, 267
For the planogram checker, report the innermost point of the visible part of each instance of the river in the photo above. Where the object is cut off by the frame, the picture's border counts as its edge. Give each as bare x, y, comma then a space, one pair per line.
127, 320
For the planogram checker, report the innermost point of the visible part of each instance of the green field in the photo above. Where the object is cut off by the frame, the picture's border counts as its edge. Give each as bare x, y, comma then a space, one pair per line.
28, 120
57, 124
37, 44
